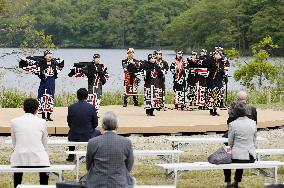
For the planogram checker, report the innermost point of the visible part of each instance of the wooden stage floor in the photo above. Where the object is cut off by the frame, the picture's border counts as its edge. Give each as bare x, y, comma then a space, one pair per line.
132, 120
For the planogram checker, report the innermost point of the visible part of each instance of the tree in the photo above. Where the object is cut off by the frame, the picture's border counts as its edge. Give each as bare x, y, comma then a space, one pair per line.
3, 6
182, 24
205, 24
18, 28
259, 70
150, 24
235, 23
118, 25
269, 21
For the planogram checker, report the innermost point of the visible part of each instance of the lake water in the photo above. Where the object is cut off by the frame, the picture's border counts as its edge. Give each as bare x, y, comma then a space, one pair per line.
110, 57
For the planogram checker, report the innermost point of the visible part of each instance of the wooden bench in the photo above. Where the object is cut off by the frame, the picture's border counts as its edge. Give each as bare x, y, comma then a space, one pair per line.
178, 142
154, 186
55, 169
208, 166
265, 152
80, 156
36, 186
57, 143
136, 186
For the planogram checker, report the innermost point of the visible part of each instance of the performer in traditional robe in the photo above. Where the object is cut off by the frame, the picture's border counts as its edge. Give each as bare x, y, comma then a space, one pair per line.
131, 79
215, 82
202, 74
226, 67
165, 68
179, 69
192, 80
153, 92
47, 69
97, 75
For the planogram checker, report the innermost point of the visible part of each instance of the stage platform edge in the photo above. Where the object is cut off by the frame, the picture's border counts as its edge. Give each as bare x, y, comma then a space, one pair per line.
132, 120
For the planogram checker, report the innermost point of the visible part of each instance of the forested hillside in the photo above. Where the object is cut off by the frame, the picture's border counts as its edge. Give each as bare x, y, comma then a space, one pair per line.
173, 24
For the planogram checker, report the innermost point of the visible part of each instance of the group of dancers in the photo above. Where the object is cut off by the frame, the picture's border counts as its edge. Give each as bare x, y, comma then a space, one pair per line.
199, 80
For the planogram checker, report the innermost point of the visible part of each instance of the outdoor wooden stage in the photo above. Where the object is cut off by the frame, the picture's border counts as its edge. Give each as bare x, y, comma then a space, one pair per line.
132, 120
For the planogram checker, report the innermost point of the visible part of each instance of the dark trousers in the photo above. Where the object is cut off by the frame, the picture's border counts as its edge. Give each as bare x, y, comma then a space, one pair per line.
213, 111
239, 172
43, 115
150, 111
71, 148
43, 176
135, 99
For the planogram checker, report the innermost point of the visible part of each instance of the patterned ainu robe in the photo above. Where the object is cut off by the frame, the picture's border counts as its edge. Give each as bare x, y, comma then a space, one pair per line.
47, 73
153, 91
197, 82
97, 76
179, 69
131, 78
215, 82
164, 68
225, 80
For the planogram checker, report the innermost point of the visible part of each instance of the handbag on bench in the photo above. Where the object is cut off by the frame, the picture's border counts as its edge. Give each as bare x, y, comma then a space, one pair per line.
72, 184
69, 184
221, 156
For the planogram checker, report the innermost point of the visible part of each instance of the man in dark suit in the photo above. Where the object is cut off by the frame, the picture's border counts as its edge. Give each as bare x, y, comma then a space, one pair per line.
82, 120
251, 112
109, 158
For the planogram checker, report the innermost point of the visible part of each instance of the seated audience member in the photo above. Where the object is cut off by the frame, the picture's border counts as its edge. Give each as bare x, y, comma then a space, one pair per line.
242, 139
29, 138
109, 157
82, 120
250, 110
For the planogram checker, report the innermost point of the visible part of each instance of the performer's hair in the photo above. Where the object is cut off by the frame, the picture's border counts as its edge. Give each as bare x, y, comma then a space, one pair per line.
47, 52
31, 105
109, 121
130, 50
82, 94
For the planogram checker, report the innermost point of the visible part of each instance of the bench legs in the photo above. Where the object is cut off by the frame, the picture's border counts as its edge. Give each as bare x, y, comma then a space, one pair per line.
276, 175
60, 177
176, 177
77, 167
177, 146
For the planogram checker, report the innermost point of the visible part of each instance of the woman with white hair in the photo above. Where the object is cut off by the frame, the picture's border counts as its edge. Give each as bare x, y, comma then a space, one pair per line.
109, 157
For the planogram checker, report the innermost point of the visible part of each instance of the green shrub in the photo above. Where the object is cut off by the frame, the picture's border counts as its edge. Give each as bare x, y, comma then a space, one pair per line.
11, 98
